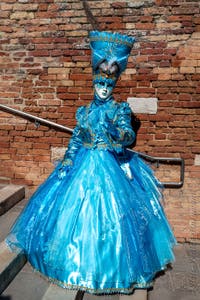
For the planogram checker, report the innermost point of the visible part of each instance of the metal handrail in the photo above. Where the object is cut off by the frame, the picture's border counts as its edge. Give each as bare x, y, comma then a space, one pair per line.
50, 124
35, 119
167, 160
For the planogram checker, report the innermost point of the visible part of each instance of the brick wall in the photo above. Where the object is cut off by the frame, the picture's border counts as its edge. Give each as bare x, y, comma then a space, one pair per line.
45, 70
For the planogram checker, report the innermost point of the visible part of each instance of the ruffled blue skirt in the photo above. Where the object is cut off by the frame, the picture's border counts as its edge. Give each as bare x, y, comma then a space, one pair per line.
96, 230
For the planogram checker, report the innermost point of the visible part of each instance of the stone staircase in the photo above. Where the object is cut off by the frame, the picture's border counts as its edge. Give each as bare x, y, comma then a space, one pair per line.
10, 263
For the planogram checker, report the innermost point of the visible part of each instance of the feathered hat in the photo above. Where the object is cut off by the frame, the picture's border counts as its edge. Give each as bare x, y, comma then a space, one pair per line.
110, 52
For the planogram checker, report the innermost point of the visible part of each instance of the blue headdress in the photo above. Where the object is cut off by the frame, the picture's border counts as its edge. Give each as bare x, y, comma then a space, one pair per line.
110, 53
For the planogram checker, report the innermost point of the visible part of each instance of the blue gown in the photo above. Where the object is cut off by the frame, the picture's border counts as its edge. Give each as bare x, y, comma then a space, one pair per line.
96, 224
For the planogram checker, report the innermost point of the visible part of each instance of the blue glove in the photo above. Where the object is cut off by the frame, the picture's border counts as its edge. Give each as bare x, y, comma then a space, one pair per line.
64, 169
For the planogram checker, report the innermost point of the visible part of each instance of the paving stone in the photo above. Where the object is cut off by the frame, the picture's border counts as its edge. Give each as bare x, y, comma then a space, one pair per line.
182, 282
167, 294
193, 250
182, 260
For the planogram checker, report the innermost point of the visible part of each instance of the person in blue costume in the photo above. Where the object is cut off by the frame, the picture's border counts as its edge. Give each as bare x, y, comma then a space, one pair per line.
96, 224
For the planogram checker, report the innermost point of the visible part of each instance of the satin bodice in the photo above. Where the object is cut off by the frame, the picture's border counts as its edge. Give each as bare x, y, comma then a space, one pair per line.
105, 125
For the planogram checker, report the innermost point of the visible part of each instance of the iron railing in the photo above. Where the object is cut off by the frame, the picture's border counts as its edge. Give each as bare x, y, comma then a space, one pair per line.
152, 159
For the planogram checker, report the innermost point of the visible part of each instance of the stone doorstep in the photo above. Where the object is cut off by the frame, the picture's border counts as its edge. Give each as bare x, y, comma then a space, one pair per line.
9, 196
10, 264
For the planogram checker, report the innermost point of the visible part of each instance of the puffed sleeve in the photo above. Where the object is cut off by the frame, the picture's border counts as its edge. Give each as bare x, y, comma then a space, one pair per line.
123, 132
75, 141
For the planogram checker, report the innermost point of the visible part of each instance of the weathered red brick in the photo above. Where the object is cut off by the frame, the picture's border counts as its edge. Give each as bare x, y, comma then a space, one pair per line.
186, 9
118, 4
145, 26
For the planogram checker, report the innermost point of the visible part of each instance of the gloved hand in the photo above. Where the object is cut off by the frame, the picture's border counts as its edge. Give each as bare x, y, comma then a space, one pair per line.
65, 168
83, 133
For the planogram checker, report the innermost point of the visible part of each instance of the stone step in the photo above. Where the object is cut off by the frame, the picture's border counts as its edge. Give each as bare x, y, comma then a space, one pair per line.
9, 196
10, 264
137, 295
55, 292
